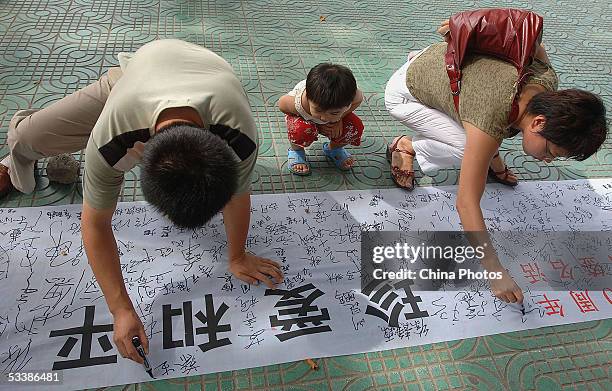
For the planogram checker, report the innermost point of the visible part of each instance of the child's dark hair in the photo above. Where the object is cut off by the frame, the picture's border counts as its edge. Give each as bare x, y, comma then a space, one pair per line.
575, 120
331, 86
188, 174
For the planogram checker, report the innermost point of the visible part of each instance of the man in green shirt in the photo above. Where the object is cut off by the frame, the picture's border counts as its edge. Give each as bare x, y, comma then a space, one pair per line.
180, 110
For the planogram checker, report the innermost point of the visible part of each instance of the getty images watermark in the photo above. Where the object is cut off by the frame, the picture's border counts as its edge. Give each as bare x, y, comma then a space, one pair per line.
430, 259
445, 260
411, 253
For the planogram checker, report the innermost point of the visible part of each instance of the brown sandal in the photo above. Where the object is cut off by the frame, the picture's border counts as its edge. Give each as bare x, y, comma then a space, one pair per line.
397, 172
495, 175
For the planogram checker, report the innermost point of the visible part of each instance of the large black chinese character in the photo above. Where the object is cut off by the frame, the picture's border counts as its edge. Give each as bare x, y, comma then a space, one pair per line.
294, 297
87, 331
210, 320
377, 295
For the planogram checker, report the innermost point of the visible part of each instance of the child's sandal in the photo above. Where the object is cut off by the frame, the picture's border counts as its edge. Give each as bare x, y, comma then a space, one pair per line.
295, 157
338, 156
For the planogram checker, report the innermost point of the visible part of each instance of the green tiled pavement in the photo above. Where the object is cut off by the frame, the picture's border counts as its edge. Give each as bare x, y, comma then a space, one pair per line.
49, 48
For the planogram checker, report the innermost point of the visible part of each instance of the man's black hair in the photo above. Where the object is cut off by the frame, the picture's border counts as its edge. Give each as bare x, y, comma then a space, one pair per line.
331, 86
575, 120
188, 174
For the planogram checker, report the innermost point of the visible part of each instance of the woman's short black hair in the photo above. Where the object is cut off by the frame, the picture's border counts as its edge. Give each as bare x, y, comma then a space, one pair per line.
188, 174
575, 120
331, 86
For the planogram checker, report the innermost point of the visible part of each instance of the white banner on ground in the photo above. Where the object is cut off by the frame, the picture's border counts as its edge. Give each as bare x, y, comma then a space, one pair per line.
200, 319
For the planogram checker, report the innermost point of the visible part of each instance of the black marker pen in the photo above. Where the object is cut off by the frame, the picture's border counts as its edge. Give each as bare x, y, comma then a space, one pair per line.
141, 353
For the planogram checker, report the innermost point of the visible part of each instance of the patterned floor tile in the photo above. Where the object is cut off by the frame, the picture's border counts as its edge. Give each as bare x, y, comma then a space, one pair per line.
49, 49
